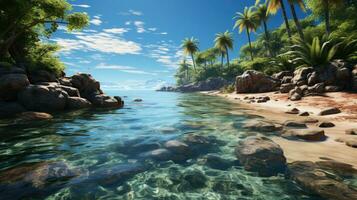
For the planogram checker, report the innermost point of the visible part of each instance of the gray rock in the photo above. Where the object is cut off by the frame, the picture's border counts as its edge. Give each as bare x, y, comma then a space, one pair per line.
40, 76
258, 125
33, 116
77, 103
262, 155
285, 88
295, 97
286, 79
314, 179
88, 87
216, 162
326, 125
177, 147
300, 75
294, 124
9, 109
330, 111
332, 88
11, 85
308, 135
158, 154
71, 91
104, 101
255, 82
318, 88
282, 74
43, 98
313, 78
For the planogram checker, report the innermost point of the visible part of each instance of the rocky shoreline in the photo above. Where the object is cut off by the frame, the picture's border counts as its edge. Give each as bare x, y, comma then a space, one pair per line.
32, 95
207, 85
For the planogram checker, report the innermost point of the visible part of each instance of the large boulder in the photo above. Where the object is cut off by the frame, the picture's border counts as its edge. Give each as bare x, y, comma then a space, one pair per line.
286, 87
101, 100
71, 91
77, 103
282, 74
40, 76
86, 84
43, 98
255, 82
8, 109
11, 84
323, 179
262, 155
301, 75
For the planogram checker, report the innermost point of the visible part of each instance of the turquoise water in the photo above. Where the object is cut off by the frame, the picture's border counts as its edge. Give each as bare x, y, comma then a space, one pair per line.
106, 149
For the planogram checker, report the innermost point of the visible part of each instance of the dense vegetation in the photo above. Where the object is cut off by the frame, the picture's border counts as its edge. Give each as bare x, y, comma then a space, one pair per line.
24, 27
328, 32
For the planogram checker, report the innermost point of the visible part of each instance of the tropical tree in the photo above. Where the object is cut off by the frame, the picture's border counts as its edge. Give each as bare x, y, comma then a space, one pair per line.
262, 16
246, 20
274, 6
190, 47
24, 23
296, 19
224, 42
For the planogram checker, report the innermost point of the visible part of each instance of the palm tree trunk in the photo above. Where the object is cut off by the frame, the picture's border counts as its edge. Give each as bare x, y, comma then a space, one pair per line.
227, 56
222, 58
267, 38
327, 17
193, 61
296, 20
288, 30
250, 44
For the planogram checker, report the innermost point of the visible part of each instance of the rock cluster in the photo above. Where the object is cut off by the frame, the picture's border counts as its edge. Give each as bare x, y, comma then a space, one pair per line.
255, 82
43, 92
307, 81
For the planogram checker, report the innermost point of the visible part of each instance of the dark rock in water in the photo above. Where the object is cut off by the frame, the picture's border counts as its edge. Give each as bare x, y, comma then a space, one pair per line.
39, 76
119, 99
294, 124
158, 154
33, 116
177, 147
216, 162
258, 125
35, 180
8, 109
43, 98
330, 111
326, 125
77, 103
11, 84
352, 131
134, 147
208, 85
101, 100
201, 144
167, 89
262, 155
313, 179
255, 82
117, 174
137, 100
309, 135
195, 178
86, 84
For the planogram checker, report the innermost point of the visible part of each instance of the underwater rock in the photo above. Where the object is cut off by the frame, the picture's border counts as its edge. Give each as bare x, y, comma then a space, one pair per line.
312, 177
34, 116
262, 155
258, 125
216, 162
195, 178
177, 147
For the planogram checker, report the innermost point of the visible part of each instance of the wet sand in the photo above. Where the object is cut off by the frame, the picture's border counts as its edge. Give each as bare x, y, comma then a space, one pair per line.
274, 111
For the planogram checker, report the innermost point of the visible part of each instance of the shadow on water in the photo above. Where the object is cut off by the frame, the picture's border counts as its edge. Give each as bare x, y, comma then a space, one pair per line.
121, 154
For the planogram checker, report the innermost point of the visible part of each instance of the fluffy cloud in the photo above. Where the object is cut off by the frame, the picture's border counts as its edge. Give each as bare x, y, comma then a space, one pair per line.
96, 20
122, 68
105, 42
116, 30
81, 5
132, 12
165, 53
139, 26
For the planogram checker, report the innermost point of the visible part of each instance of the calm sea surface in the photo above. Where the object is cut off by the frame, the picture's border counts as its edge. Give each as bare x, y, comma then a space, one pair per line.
102, 154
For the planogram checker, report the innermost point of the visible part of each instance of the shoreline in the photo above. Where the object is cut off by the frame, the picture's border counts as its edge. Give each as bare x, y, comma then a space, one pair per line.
274, 111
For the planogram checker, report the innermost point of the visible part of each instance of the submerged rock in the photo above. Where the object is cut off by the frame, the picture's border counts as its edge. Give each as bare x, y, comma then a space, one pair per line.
262, 155
258, 125
216, 162
313, 179
34, 116
177, 147
195, 178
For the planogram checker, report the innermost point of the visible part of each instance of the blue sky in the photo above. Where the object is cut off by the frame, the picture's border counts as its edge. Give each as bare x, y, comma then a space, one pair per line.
135, 44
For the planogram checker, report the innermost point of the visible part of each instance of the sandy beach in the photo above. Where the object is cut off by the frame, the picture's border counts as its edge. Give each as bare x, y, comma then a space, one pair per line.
274, 111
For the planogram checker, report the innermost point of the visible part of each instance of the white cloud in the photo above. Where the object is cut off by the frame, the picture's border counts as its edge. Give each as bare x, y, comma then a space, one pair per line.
123, 68
102, 41
139, 26
116, 30
96, 20
134, 12
81, 5
128, 23
165, 53
163, 33
152, 29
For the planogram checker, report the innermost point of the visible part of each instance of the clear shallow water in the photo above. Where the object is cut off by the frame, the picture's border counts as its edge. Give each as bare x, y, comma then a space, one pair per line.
106, 148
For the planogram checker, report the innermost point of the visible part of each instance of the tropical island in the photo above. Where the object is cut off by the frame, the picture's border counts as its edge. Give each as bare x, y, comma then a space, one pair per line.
276, 122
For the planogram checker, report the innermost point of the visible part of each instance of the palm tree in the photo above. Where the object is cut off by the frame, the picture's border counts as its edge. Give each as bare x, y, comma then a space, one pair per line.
296, 19
184, 65
327, 5
263, 16
274, 6
224, 42
190, 47
246, 20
